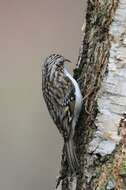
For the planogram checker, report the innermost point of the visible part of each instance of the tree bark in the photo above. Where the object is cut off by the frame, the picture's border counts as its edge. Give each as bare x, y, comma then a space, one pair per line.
101, 73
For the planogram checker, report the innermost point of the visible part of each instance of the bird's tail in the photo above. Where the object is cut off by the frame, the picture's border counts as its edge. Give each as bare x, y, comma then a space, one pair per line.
71, 156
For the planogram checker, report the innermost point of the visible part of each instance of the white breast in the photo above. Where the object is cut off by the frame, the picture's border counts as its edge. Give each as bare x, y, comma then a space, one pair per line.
78, 97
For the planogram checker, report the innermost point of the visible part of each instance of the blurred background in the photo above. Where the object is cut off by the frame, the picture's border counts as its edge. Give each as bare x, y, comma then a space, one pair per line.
30, 145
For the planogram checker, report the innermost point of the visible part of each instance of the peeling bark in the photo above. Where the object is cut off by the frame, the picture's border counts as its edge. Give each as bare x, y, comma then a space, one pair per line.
101, 72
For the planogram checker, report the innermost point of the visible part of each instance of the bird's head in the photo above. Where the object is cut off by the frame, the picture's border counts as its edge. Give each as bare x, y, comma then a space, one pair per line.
55, 60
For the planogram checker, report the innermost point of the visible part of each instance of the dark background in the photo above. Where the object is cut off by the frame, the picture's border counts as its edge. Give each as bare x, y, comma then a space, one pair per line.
30, 144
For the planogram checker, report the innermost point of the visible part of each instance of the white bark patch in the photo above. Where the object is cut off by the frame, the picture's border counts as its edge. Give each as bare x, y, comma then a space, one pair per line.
112, 96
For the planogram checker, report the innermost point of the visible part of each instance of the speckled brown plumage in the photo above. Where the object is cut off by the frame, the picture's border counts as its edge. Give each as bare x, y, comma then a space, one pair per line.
59, 93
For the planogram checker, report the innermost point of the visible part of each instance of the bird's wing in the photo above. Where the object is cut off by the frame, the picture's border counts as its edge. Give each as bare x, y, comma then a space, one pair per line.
65, 105
60, 100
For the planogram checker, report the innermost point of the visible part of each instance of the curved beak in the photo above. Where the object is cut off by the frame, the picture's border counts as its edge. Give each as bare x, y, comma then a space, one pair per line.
67, 60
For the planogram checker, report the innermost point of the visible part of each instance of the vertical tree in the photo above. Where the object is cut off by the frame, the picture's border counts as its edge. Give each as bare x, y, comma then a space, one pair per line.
101, 73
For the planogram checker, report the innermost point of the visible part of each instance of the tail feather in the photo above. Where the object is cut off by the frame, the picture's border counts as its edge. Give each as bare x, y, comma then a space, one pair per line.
71, 156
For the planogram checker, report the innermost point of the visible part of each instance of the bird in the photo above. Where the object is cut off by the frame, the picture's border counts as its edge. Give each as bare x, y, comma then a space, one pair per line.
63, 98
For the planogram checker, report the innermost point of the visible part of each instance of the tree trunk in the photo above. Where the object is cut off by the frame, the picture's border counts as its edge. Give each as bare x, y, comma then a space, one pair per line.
101, 73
